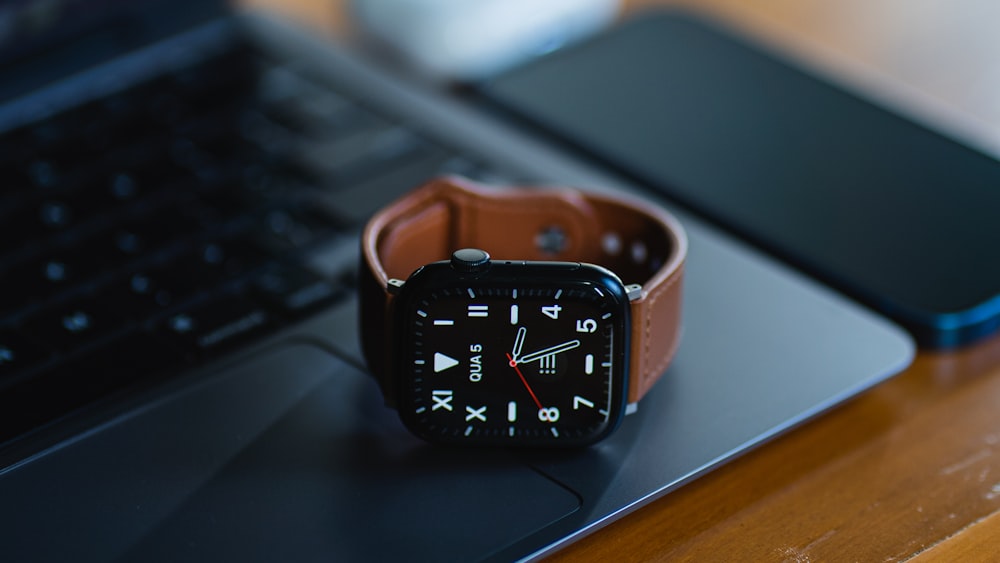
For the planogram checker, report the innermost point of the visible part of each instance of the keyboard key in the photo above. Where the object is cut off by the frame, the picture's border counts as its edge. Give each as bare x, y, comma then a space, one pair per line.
120, 183
39, 219
61, 269
139, 296
35, 281
18, 353
211, 264
43, 173
285, 229
70, 265
217, 325
67, 327
292, 291
162, 227
116, 248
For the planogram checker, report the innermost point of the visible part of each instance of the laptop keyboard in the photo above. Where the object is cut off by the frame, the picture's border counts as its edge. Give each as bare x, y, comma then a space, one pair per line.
166, 224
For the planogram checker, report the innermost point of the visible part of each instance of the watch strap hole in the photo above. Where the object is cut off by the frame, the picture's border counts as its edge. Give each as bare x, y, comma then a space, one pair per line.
611, 243
639, 252
552, 240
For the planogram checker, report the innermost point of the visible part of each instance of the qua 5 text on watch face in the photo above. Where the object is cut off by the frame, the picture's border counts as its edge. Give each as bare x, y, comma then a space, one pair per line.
513, 365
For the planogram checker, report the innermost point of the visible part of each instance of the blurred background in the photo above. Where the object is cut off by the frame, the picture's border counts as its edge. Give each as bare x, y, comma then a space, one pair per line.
937, 60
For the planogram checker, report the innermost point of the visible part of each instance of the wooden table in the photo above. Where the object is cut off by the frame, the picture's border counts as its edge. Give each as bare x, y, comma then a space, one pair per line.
909, 470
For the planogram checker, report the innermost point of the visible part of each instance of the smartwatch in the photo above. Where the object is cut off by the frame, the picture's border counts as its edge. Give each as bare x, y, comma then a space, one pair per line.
518, 316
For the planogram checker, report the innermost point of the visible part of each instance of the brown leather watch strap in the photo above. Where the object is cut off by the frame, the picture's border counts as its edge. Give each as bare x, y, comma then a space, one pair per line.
641, 243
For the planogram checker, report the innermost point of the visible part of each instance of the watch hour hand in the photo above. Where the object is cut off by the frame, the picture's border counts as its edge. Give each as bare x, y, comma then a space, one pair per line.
518, 344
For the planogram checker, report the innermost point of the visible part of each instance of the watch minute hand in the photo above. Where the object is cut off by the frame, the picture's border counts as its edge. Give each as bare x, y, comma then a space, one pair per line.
550, 351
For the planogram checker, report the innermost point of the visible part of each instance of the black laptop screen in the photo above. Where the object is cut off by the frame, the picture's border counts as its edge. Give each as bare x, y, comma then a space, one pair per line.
27, 26
41, 40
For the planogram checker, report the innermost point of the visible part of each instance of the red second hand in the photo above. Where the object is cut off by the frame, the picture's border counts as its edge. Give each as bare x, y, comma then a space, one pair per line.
513, 364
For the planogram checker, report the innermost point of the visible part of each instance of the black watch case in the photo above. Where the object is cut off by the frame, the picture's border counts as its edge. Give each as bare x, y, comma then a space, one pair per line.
511, 353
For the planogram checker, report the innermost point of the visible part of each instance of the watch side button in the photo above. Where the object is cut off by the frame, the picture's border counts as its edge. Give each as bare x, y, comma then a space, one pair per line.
394, 286
470, 260
634, 291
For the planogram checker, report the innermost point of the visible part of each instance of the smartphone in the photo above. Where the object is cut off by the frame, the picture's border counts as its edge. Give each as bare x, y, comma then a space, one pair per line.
890, 212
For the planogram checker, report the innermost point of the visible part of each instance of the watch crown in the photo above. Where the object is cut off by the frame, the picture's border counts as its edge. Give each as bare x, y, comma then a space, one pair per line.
470, 260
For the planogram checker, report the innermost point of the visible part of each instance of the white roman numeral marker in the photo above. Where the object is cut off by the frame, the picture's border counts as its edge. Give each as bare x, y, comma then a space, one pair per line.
442, 399
472, 413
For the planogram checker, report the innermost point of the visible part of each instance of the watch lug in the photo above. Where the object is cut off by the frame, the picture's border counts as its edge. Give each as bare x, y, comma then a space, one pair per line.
634, 291
394, 286
631, 408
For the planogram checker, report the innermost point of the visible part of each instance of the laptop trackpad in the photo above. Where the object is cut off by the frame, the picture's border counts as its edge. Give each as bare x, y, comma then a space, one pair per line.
289, 457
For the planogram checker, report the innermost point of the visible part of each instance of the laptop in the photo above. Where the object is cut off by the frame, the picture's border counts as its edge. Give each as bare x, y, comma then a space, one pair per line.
180, 377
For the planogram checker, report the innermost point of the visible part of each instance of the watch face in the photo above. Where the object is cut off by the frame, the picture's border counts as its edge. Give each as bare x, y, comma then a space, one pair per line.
528, 354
